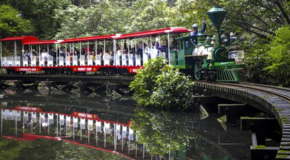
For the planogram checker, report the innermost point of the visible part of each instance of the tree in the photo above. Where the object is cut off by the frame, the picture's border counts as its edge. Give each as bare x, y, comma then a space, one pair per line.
11, 22
41, 14
100, 19
258, 17
269, 63
160, 85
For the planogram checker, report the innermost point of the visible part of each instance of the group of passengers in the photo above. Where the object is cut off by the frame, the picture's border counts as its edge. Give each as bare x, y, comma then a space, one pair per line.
151, 50
43, 54
86, 52
128, 52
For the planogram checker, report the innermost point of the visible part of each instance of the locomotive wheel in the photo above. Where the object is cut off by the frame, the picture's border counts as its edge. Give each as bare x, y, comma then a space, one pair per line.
206, 76
198, 65
213, 76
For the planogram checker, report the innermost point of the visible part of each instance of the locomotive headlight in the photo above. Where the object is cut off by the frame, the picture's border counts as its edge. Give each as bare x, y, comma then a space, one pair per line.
224, 39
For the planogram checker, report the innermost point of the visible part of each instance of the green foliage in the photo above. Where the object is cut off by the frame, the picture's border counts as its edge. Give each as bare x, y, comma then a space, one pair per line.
278, 59
160, 85
258, 17
100, 19
111, 17
11, 149
41, 14
255, 63
11, 23
162, 131
270, 63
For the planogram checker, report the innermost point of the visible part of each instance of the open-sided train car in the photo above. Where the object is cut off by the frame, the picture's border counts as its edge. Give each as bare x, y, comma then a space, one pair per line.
121, 61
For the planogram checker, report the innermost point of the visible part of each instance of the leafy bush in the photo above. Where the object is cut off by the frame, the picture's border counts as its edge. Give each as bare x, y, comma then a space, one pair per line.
270, 63
255, 64
160, 85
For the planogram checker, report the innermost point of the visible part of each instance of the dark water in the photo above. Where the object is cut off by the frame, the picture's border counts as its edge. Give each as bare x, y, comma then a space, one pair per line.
167, 135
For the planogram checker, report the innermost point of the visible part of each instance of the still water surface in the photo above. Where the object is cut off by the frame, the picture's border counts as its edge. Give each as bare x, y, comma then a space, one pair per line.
96, 126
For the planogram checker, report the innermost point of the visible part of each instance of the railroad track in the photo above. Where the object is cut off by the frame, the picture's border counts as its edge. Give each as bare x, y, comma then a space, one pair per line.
273, 90
283, 94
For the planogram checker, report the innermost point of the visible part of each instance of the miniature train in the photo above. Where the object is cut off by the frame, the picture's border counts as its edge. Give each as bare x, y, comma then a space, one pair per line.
199, 55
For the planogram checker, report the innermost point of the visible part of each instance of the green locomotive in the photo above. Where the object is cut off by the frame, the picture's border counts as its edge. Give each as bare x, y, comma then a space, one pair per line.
207, 57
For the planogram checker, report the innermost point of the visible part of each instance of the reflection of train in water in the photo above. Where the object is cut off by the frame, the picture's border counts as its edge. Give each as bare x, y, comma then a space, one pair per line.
32, 123
79, 128
112, 54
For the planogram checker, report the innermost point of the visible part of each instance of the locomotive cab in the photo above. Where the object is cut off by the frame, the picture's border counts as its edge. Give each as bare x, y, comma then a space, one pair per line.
188, 51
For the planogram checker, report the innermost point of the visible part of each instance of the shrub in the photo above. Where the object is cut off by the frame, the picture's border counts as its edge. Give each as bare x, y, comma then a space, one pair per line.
160, 85
269, 63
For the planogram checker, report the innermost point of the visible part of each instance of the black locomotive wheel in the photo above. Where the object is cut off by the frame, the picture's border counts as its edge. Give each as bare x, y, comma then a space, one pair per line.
206, 76
213, 76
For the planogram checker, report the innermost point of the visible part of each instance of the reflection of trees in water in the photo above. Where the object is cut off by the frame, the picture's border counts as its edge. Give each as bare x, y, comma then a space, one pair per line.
48, 149
181, 133
11, 149
161, 131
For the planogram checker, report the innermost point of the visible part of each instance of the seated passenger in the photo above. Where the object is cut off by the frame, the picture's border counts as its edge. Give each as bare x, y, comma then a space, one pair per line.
34, 52
119, 51
125, 54
63, 52
83, 51
70, 54
100, 53
44, 55
132, 53
111, 57
53, 54
163, 48
93, 53
140, 50
28, 55
106, 54
76, 53
149, 49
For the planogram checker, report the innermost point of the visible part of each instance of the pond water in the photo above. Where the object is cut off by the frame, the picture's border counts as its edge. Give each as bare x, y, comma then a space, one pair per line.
39, 125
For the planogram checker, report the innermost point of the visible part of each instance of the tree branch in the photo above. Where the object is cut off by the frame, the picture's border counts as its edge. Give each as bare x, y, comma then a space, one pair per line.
283, 11
257, 33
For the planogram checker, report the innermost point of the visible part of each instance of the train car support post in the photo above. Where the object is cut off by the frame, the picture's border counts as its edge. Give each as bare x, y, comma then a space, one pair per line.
104, 46
168, 39
80, 48
22, 55
15, 50
1, 53
143, 51
73, 54
1, 123
38, 54
114, 50
16, 125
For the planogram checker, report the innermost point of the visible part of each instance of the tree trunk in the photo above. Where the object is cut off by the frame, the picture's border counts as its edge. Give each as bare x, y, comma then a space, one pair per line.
76, 2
